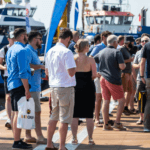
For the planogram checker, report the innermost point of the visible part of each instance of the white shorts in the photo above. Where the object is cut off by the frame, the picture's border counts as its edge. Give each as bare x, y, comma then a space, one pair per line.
97, 85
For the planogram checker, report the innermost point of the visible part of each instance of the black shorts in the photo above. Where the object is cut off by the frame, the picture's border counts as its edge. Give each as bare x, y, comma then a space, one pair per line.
15, 95
5, 86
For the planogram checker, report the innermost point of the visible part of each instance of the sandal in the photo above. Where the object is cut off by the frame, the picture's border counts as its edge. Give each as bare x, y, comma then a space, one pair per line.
74, 141
31, 140
99, 124
65, 148
91, 142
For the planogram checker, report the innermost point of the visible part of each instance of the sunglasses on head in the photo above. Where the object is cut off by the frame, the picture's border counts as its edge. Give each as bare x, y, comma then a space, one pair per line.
144, 41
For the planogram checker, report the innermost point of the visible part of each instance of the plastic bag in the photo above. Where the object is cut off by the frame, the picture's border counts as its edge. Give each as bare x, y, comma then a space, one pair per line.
26, 114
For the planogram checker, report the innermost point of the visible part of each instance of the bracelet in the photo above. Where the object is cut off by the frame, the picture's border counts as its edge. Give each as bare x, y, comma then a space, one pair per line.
141, 76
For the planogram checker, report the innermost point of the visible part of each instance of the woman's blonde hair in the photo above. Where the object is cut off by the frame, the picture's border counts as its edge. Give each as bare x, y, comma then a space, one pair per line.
80, 45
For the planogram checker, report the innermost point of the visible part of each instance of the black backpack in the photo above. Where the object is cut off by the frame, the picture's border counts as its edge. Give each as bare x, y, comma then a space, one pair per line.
4, 62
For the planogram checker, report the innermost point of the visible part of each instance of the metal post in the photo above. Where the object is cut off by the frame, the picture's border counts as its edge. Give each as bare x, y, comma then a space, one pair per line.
68, 13
83, 7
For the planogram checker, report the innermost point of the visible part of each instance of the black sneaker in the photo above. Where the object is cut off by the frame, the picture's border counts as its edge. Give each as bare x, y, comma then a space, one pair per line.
126, 112
21, 145
111, 122
110, 115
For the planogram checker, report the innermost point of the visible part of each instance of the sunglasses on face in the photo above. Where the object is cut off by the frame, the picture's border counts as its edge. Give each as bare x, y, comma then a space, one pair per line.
144, 41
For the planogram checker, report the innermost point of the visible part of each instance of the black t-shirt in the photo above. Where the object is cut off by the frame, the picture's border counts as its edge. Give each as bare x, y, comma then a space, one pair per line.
126, 55
109, 60
146, 55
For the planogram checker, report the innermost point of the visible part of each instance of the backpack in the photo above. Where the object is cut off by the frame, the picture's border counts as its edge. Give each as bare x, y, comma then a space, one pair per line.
4, 62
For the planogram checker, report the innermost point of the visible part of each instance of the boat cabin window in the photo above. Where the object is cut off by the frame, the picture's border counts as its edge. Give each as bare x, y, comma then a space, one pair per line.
88, 20
20, 12
99, 19
1, 10
91, 20
128, 20
109, 20
118, 20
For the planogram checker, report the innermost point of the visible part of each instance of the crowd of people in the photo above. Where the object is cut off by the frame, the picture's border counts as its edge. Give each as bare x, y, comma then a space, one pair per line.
83, 79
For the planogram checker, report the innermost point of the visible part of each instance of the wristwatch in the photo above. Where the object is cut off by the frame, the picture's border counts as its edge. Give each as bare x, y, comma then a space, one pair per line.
141, 76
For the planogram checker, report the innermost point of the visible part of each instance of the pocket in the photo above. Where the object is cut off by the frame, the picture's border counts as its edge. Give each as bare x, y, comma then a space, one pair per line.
63, 96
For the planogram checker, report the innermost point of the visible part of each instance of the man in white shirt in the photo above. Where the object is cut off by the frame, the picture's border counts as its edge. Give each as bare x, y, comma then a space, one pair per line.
60, 67
4, 73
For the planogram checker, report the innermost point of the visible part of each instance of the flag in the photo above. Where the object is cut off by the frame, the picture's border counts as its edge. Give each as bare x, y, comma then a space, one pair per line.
7, 1
55, 19
140, 17
28, 28
76, 16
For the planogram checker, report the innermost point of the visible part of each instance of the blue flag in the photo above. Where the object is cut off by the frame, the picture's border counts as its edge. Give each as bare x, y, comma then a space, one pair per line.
56, 16
76, 16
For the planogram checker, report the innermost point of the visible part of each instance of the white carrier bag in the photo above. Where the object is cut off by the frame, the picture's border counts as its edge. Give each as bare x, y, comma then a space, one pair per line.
26, 114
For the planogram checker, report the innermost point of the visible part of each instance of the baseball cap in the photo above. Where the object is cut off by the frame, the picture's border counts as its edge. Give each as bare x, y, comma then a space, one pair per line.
129, 38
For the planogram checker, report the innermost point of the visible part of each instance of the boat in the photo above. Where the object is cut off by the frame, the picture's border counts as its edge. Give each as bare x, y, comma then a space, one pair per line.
13, 16
114, 17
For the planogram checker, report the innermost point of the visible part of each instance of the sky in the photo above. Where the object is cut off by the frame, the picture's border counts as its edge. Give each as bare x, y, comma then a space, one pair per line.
45, 9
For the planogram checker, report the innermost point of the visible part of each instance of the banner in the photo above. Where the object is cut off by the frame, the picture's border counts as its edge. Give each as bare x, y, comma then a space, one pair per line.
28, 28
76, 16
55, 19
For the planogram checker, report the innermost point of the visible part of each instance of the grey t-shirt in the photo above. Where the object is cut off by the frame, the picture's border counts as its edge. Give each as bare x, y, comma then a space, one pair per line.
109, 60
126, 55
137, 60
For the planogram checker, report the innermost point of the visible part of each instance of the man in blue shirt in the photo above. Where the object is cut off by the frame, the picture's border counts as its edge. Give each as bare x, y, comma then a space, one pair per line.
97, 40
74, 41
95, 51
18, 74
35, 41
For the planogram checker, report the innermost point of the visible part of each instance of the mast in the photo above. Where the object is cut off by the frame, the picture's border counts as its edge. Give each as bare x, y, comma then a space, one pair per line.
83, 8
68, 13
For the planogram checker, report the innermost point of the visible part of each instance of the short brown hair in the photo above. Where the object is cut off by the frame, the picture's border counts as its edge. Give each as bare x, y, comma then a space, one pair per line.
138, 40
75, 33
32, 35
18, 32
65, 33
105, 34
80, 45
120, 38
145, 34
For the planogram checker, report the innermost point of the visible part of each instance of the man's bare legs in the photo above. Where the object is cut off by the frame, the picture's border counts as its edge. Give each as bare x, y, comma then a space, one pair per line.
8, 105
105, 111
63, 128
98, 106
120, 109
16, 131
12, 120
50, 132
38, 129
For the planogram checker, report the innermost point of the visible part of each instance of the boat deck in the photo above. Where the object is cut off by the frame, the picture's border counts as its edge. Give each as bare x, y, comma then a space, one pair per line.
134, 138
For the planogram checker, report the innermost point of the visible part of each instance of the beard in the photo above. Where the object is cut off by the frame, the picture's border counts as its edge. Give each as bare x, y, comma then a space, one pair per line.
25, 40
38, 45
